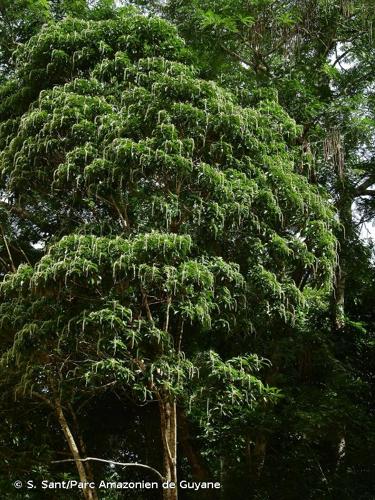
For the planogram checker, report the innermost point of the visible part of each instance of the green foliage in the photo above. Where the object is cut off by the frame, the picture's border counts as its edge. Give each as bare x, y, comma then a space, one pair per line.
172, 243
103, 332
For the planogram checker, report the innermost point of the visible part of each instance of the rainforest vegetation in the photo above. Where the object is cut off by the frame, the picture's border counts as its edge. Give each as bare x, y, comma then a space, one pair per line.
187, 274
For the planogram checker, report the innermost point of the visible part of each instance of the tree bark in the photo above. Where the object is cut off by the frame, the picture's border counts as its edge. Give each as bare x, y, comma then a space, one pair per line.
82, 446
88, 493
341, 449
168, 421
339, 298
345, 236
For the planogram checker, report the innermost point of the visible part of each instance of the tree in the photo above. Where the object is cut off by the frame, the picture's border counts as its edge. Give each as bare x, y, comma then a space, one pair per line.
179, 220
317, 57
111, 337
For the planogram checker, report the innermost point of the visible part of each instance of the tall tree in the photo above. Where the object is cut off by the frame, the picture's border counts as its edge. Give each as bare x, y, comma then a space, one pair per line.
317, 58
188, 227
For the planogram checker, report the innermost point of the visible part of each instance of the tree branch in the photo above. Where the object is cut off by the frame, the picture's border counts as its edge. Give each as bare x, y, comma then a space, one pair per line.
363, 187
8, 250
130, 464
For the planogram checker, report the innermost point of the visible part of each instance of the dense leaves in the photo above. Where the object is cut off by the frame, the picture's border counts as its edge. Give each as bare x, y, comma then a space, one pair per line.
170, 239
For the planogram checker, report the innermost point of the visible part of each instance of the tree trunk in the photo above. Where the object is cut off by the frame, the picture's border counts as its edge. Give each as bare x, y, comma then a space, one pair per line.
341, 449
82, 446
345, 237
168, 421
339, 297
87, 492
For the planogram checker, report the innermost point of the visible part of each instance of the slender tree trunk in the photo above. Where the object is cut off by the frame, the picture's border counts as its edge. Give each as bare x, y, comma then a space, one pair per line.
344, 207
87, 492
341, 449
168, 421
334, 152
339, 297
82, 446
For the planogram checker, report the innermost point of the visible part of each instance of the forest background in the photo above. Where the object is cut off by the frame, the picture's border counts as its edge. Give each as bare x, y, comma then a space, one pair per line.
186, 262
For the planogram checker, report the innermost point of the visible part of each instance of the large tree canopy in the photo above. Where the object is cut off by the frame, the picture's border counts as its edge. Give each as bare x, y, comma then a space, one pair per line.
124, 139
162, 242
